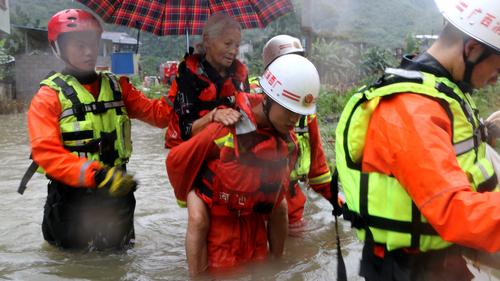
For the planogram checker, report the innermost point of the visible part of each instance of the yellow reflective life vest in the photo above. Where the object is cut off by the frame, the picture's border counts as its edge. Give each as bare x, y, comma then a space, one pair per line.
377, 202
96, 129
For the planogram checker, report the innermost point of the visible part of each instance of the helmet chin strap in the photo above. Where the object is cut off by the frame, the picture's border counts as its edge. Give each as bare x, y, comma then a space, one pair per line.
266, 106
55, 49
469, 65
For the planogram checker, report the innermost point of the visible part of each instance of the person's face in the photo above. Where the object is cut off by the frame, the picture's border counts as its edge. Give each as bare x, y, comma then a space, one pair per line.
486, 72
282, 119
80, 49
221, 51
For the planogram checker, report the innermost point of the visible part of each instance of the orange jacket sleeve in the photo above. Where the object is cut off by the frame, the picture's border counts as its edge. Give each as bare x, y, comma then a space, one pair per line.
319, 173
172, 93
409, 136
185, 160
46, 144
152, 111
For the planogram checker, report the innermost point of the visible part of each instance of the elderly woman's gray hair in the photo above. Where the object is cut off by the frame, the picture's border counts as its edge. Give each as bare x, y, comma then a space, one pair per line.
217, 23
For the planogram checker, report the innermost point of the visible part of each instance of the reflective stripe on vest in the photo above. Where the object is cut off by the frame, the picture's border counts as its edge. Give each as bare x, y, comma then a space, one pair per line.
392, 217
98, 130
226, 140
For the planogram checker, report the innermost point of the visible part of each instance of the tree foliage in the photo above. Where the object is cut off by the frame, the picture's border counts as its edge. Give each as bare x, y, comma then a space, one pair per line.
336, 62
375, 60
412, 44
6, 63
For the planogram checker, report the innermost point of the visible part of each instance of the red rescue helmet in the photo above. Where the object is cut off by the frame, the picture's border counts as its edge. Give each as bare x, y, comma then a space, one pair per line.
72, 20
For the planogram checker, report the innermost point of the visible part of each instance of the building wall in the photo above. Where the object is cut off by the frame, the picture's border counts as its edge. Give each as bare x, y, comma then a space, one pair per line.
4, 16
6, 91
31, 69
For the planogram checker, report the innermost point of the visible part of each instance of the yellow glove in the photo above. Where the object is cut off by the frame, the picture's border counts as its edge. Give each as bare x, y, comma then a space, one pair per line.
115, 180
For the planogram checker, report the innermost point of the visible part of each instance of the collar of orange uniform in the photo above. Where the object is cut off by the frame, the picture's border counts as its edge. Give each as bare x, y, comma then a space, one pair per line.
94, 87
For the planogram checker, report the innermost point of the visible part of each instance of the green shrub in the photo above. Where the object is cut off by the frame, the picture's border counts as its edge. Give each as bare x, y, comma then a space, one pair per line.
487, 100
331, 104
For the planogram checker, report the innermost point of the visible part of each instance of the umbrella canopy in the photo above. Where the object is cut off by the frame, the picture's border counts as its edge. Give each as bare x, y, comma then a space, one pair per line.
178, 17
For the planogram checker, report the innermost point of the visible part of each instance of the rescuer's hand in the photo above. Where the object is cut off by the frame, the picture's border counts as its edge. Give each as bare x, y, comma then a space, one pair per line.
115, 180
226, 116
493, 126
337, 204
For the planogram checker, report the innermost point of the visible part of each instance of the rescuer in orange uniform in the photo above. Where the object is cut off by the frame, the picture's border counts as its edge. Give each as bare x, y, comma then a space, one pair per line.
411, 155
241, 172
311, 168
79, 129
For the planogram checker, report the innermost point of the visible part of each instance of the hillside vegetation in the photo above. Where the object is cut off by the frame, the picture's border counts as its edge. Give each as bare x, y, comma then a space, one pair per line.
383, 23
352, 40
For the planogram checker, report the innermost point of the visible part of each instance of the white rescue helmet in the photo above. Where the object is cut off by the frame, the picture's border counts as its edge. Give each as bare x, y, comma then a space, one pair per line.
280, 45
293, 82
478, 19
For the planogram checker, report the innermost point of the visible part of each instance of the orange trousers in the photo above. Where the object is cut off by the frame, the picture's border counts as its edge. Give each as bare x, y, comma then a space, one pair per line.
296, 200
233, 240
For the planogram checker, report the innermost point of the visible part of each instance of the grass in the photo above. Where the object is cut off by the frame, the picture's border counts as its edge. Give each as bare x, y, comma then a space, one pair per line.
329, 107
154, 92
487, 100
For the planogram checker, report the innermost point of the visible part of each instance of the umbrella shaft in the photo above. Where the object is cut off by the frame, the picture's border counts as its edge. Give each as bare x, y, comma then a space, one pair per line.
187, 40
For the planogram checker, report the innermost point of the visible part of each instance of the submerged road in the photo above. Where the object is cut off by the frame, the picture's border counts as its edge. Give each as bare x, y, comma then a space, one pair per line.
160, 227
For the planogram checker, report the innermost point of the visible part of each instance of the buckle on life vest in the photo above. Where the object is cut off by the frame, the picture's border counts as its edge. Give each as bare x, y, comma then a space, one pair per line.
107, 152
98, 107
79, 110
481, 132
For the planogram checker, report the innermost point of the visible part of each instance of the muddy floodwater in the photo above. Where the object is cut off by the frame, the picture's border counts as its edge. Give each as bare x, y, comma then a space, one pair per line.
159, 224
